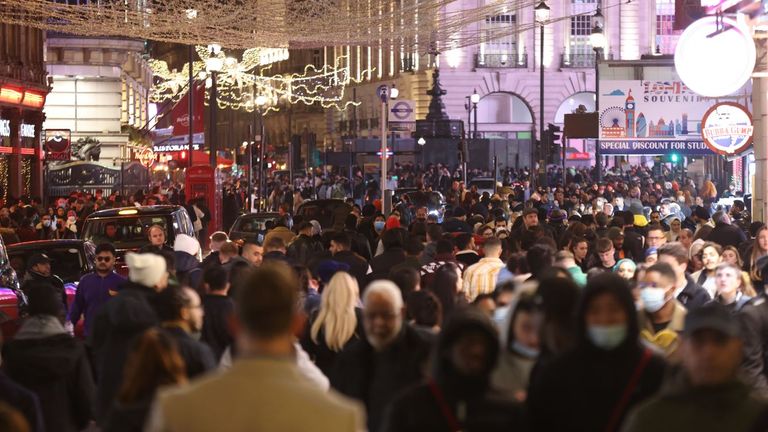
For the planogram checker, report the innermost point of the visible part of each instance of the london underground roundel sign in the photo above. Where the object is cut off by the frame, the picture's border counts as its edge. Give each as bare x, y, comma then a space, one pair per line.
727, 128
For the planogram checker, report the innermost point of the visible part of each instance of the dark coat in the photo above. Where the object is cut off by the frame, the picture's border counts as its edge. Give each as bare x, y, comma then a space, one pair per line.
156, 249
557, 396
454, 225
33, 278
754, 323
216, 332
693, 296
381, 264
303, 248
115, 329
417, 409
56, 369
188, 270
22, 400
319, 352
128, 417
358, 267
727, 235
197, 356
360, 244
374, 378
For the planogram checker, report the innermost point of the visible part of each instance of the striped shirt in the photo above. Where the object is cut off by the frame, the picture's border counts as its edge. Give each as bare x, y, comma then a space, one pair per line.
480, 278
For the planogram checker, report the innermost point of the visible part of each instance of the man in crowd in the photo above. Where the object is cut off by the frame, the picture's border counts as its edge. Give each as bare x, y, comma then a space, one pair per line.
341, 246
656, 237
156, 235
465, 245
95, 289
181, 315
253, 253
707, 393
606, 255
217, 240
724, 233
120, 320
39, 272
687, 292
266, 313
391, 358
662, 317
481, 278
218, 310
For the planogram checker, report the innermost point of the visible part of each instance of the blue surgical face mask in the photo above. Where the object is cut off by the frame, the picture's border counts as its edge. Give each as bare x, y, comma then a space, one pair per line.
379, 226
653, 298
46, 223
607, 337
525, 351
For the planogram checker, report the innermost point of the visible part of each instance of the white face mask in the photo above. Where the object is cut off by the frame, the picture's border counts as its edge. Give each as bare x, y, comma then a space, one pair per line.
653, 298
607, 337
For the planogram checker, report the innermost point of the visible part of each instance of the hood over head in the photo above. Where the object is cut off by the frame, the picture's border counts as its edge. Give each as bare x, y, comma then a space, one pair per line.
613, 284
444, 372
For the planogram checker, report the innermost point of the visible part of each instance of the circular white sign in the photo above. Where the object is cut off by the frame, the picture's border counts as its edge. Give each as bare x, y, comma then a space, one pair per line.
727, 128
715, 64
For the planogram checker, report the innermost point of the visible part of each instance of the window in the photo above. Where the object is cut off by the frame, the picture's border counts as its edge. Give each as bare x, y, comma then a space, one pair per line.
666, 37
317, 58
499, 41
580, 53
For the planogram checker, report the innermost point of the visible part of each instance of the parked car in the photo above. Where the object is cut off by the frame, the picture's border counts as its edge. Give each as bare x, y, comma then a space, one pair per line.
129, 225
251, 227
330, 213
70, 259
12, 300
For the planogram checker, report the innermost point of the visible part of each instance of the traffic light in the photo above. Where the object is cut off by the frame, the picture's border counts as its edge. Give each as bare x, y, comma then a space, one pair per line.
554, 145
673, 158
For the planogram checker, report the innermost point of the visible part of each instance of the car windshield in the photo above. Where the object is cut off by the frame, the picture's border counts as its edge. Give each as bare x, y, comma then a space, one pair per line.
127, 232
247, 224
429, 200
67, 262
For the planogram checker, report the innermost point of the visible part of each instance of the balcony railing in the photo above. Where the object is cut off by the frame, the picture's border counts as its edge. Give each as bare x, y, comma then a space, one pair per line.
578, 60
511, 60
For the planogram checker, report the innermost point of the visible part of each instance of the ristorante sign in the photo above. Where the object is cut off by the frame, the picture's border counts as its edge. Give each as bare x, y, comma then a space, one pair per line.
651, 117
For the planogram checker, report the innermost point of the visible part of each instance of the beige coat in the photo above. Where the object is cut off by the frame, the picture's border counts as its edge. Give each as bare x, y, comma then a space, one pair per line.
257, 394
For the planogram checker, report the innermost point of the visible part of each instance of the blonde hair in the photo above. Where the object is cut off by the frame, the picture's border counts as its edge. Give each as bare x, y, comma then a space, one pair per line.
337, 312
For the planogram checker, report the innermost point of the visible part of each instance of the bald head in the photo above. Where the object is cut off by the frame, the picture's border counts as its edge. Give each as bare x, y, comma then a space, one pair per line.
382, 314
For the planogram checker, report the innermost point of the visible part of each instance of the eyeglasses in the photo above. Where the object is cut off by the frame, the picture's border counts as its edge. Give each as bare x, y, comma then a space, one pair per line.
103, 259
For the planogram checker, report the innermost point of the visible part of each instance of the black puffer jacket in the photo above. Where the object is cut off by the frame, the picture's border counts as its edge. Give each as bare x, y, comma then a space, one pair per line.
56, 369
481, 409
579, 389
188, 270
115, 328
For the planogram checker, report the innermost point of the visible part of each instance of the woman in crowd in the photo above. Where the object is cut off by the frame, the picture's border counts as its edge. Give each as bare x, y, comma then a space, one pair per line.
154, 363
580, 249
336, 324
731, 288
607, 355
759, 250
447, 286
625, 268
519, 348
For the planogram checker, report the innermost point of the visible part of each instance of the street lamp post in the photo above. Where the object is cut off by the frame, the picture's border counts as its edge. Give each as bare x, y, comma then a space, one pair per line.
260, 101
475, 99
385, 93
597, 39
541, 12
213, 65
191, 105
421, 143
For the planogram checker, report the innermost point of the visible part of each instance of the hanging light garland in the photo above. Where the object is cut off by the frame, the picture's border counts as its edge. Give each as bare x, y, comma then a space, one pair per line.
411, 24
240, 82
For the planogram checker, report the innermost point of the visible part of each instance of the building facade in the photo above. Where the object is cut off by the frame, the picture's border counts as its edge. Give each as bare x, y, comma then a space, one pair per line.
503, 68
100, 91
23, 89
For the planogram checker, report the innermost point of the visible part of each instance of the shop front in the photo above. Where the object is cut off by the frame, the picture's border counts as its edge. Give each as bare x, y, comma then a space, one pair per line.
21, 157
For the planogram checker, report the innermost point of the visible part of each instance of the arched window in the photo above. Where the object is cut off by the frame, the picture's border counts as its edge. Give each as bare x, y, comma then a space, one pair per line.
503, 108
572, 103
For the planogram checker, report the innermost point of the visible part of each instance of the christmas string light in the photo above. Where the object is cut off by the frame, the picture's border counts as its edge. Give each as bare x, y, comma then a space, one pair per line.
237, 85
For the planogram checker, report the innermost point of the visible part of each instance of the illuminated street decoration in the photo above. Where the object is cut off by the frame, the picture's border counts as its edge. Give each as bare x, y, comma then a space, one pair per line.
415, 24
240, 82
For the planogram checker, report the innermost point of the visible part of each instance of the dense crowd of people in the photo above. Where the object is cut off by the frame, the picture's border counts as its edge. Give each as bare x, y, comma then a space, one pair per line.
634, 304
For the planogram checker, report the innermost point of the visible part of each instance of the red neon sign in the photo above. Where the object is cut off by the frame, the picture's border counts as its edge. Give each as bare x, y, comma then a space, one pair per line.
33, 99
8, 94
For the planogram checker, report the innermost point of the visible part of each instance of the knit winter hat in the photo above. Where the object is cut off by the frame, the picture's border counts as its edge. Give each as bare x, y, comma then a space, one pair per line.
185, 243
145, 269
